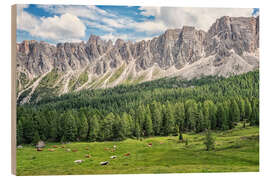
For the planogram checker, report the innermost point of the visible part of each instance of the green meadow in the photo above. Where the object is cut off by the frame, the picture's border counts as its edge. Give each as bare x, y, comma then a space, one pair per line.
236, 150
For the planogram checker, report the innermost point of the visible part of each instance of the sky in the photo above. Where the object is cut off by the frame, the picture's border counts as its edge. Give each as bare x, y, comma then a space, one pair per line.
75, 23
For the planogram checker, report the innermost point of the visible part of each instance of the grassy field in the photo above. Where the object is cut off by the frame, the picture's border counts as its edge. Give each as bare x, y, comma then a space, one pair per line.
236, 150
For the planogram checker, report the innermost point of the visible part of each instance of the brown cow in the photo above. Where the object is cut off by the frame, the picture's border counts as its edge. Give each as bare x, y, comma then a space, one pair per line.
74, 150
88, 156
127, 154
54, 146
39, 149
51, 150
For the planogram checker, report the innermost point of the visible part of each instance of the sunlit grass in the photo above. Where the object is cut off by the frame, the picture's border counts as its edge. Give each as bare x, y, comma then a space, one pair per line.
236, 151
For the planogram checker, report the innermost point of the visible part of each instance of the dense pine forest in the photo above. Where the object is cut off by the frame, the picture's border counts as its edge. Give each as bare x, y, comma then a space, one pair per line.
163, 107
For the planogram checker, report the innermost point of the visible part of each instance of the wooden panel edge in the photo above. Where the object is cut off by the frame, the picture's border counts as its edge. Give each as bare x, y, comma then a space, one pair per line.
13, 87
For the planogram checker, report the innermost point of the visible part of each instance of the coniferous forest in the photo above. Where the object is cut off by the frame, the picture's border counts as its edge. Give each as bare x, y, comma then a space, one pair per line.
163, 107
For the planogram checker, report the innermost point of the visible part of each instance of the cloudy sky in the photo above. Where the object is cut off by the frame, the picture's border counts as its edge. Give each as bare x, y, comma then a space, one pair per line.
66, 23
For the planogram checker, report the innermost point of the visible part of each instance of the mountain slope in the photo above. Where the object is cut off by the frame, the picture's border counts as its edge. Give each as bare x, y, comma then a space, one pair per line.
231, 46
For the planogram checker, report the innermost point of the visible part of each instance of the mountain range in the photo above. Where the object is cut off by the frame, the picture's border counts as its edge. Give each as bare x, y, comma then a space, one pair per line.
229, 47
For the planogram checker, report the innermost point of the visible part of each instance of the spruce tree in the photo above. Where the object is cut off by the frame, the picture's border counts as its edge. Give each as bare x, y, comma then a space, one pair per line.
148, 123
156, 115
36, 138
93, 128
248, 109
209, 141
82, 126
180, 116
19, 132
69, 127
235, 112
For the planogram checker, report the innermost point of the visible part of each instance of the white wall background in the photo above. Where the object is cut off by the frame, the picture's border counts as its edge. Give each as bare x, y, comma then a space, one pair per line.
5, 85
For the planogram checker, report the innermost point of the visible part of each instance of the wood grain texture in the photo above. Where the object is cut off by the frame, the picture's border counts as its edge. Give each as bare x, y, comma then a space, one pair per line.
13, 87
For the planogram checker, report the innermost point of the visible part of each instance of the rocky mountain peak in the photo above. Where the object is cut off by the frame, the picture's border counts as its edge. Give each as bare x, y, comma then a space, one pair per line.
230, 46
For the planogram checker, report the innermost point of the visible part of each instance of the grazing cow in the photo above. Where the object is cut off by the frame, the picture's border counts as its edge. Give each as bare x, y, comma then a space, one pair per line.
40, 144
106, 149
127, 154
54, 146
88, 156
20, 147
113, 157
78, 161
51, 150
74, 150
39, 149
87, 148
62, 146
104, 163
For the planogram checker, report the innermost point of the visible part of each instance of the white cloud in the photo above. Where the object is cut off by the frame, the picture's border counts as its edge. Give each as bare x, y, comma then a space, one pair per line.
90, 12
125, 37
25, 21
114, 37
60, 28
97, 25
201, 18
66, 27
149, 27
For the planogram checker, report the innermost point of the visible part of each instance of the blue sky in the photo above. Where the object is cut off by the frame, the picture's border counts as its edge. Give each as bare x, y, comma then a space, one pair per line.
68, 23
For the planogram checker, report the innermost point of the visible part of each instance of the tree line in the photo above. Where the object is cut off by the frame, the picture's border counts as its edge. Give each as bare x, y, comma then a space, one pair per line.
142, 110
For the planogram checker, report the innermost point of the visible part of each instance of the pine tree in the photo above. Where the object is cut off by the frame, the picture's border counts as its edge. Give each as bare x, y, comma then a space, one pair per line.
241, 103
106, 124
36, 138
235, 113
19, 132
28, 129
127, 122
221, 117
180, 136
137, 131
156, 115
82, 126
191, 114
248, 110
118, 129
53, 129
209, 141
180, 116
148, 123
69, 127
168, 120
93, 128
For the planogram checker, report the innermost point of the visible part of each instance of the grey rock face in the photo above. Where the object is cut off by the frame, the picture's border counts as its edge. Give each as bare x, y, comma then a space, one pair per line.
228, 39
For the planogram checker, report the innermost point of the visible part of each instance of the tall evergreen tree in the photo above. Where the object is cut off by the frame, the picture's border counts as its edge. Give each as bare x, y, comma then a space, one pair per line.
148, 123
93, 128
156, 114
180, 116
82, 126
235, 112
69, 127
19, 132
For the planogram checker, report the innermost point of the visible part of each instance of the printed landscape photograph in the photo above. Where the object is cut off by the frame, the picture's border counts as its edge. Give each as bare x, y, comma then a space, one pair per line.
135, 90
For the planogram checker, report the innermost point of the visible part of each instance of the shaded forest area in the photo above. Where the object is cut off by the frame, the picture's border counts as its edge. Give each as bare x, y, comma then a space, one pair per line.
163, 107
